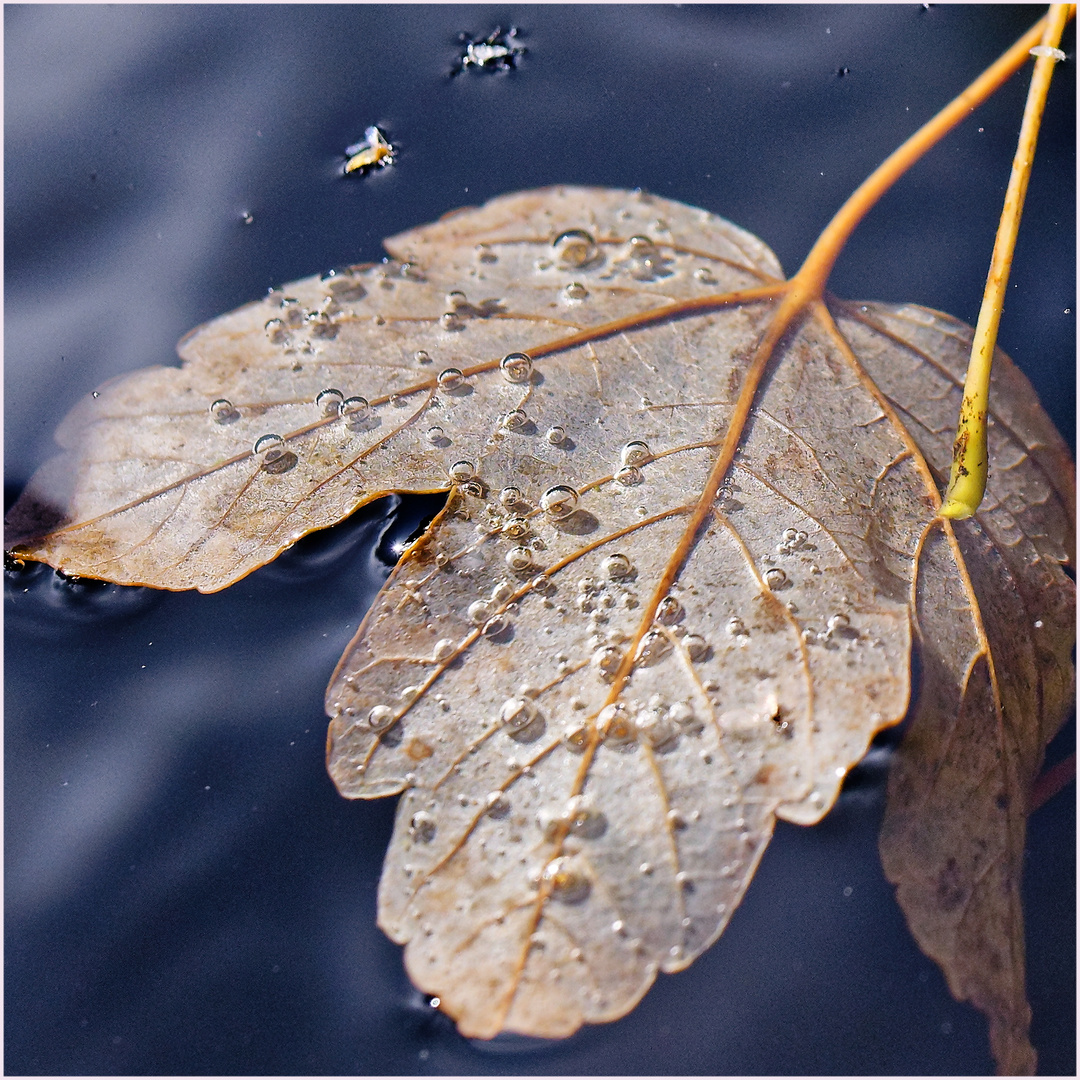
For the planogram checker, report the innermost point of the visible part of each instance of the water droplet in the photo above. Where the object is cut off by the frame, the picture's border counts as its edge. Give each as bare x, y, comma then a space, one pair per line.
629, 476
683, 715
510, 496
479, 612
436, 436
380, 718
575, 291
502, 592
675, 819
705, 276
277, 332
456, 300
559, 502
735, 626
498, 804
495, 626
616, 725
519, 559
422, 357
576, 737
355, 410
669, 611
556, 435
634, 453
516, 527
775, 578
566, 881
515, 420
451, 378
223, 411
473, 488
422, 827
275, 458
585, 820
293, 311
516, 367
330, 401
575, 248
451, 321
444, 649
461, 471
653, 646
518, 713
697, 648
606, 660
618, 566
485, 254
839, 622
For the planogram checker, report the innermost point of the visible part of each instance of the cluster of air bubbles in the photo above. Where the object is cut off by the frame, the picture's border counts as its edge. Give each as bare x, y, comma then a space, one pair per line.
272, 454
575, 291
330, 402
516, 367
575, 249
223, 411
461, 471
792, 540
451, 379
559, 502
422, 827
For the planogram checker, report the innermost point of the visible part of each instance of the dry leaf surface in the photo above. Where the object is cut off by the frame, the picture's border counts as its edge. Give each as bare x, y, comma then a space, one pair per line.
609, 665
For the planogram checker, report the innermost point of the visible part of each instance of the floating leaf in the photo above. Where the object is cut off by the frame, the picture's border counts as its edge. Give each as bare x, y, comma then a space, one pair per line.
670, 598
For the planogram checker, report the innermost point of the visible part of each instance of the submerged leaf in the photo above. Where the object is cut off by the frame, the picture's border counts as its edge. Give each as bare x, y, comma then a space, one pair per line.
665, 604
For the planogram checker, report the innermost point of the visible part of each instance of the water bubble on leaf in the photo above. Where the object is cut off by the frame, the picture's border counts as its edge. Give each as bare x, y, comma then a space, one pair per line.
270, 449
634, 453
330, 401
277, 332
576, 737
515, 420
575, 291
451, 378
473, 488
518, 713
461, 471
735, 626
355, 410
479, 612
705, 276
516, 527
606, 661
223, 411
566, 881
451, 321
696, 646
422, 827
556, 435
629, 476
682, 714
616, 724
575, 248
839, 622
775, 578
618, 566
669, 611
422, 357
495, 626
436, 436
456, 300
510, 496
444, 649
516, 367
559, 502
519, 559
293, 311
497, 804
653, 646
380, 718
502, 592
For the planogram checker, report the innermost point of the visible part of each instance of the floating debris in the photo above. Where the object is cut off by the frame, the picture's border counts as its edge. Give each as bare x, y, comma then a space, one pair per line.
374, 151
499, 51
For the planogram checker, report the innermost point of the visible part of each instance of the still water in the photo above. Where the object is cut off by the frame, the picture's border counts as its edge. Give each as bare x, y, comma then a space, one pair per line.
185, 891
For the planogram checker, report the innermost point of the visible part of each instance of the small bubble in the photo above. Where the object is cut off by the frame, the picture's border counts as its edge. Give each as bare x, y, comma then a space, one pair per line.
675, 819
473, 488
293, 311
575, 291
616, 725
330, 401
735, 626
485, 254
422, 827
683, 715
436, 436
516, 367
697, 648
705, 276
606, 660
275, 458
444, 649
277, 332
502, 592
510, 496
497, 804
575, 248
516, 527
576, 737
495, 626
519, 559
566, 881
451, 321
223, 411
556, 435
380, 718
559, 502
518, 713
775, 578
479, 612
839, 622
654, 646
618, 566
461, 471
355, 410
629, 476
515, 420
634, 453
456, 300
422, 357
451, 378
669, 611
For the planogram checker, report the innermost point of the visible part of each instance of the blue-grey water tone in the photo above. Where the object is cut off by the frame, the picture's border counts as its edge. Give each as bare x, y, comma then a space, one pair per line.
185, 890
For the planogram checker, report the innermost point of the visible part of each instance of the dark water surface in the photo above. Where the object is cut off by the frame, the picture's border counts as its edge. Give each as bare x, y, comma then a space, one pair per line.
185, 891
